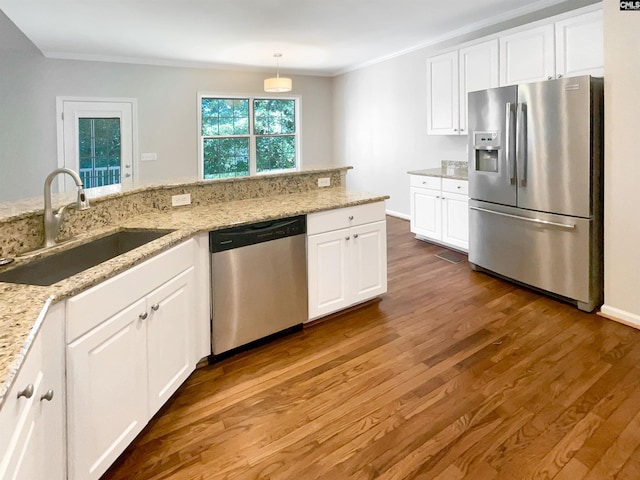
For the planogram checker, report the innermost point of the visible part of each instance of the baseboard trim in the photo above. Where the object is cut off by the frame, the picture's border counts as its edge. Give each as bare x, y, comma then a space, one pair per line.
620, 316
398, 215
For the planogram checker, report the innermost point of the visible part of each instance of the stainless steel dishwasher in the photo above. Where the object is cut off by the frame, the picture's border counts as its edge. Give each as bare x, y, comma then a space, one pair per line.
259, 281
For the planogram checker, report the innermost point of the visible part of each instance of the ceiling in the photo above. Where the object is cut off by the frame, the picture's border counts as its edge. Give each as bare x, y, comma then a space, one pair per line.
316, 37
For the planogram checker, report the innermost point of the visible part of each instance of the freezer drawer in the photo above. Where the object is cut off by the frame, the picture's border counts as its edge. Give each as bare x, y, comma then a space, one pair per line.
549, 252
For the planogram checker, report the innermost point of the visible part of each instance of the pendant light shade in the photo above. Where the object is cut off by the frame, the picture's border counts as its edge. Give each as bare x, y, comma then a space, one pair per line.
277, 84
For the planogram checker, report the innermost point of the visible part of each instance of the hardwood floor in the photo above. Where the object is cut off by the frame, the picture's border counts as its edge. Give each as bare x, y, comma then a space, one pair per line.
454, 374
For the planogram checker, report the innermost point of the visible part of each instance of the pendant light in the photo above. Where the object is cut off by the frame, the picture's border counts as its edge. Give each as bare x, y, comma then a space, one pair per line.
277, 84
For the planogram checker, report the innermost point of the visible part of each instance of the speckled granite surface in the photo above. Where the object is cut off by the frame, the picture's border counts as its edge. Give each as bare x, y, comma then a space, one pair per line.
21, 305
448, 169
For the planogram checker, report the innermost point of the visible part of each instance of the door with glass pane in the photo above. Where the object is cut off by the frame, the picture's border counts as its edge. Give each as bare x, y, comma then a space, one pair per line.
98, 141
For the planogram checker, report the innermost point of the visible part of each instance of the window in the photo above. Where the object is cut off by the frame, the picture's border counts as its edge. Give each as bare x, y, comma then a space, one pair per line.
99, 151
246, 136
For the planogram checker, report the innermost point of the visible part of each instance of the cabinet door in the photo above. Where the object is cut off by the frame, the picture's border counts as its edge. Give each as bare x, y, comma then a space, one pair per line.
455, 220
479, 70
580, 45
368, 260
327, 260
426, 213
36, 424
442, 88
106, 391
21, 439
527, 56
170, 361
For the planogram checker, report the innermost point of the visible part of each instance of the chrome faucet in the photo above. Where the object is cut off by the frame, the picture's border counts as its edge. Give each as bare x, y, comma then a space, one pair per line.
53, 221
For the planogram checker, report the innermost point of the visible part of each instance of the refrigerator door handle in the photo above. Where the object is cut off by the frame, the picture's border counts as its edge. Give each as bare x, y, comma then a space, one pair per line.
521, 142
509, 130
570, 226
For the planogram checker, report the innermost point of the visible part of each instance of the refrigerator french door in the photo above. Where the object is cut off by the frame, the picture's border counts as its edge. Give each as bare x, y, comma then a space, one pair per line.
535, 182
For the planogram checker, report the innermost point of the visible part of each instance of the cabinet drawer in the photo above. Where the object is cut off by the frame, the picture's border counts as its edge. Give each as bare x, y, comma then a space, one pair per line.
336, 219
88, 309
422, 181
455, 186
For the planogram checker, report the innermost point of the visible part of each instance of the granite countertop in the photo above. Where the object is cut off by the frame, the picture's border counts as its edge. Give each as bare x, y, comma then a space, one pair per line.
443, 172
454, 169
22, 307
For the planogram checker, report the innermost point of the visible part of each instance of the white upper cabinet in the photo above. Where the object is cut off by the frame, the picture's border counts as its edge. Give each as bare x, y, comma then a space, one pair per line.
478, 70
580, 45
527, 56
450, 77
568, 47
442, 80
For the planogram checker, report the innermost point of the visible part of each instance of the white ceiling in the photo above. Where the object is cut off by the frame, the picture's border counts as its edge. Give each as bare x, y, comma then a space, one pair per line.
317, 37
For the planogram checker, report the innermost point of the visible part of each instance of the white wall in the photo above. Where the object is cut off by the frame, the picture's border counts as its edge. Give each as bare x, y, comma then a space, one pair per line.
380, 125
381, 119
167, 110
622, 163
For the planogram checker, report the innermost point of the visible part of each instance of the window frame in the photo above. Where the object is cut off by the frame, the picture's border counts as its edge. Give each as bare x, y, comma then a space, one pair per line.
252, 135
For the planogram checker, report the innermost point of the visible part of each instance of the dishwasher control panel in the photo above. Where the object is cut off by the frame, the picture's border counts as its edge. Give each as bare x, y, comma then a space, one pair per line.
243, 235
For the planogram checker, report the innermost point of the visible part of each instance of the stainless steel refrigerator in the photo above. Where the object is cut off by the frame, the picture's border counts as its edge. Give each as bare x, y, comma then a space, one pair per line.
535, 186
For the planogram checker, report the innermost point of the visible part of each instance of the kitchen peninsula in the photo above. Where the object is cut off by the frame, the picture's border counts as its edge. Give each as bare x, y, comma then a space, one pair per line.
72, 314
244, 201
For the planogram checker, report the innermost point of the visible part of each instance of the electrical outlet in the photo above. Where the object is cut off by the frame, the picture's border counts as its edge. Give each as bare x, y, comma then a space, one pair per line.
324, 182
180, 200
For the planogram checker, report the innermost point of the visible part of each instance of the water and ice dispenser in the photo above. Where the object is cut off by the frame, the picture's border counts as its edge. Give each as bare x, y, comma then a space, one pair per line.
486, 146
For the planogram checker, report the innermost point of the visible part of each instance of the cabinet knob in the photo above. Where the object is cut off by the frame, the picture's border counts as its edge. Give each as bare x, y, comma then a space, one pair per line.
155, 307
347, 238
455, 129
355, 235
350, 217
549, 78
458, 187
48, 396
143, 316
27, 392
560, 75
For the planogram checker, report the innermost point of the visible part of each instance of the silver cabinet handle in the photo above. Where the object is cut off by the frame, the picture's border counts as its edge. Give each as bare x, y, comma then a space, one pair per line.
155, 307
143, 316
350, 217
549, 78
568, 226
355, 235
559, 75
27, 392
48, 396
347, 238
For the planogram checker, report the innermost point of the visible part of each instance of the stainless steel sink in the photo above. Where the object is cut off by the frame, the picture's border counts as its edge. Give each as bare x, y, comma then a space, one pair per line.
49, 270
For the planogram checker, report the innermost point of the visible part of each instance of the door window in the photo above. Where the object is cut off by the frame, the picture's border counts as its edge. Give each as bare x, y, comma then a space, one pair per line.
97, 141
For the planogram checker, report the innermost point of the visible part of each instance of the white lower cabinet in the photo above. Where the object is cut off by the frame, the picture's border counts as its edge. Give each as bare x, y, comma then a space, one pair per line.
127, 363
32, 419
346, 256
440, 210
